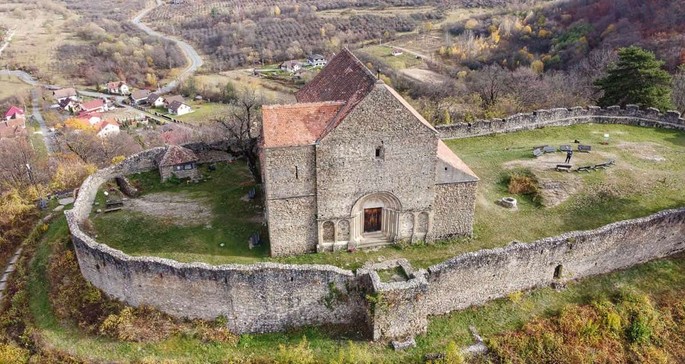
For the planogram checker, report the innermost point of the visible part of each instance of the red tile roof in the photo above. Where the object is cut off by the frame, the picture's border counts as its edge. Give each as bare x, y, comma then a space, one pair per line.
13, 110
177, 155
342, 78
93, 104
297, 124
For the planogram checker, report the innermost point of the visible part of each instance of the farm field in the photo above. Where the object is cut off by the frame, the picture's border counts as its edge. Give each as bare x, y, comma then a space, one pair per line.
646, 178
11, 86
38, 30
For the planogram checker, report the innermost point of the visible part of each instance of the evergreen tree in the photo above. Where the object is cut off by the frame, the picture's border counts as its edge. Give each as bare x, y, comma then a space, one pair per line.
637, 78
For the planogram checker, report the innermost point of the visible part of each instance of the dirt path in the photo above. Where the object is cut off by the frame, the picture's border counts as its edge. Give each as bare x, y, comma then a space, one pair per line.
181, 208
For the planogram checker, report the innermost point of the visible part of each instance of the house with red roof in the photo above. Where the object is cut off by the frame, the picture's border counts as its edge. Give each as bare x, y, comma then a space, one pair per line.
93, 106
106, 128
14, 123
118, 88
180, 162
14, 112
353, 165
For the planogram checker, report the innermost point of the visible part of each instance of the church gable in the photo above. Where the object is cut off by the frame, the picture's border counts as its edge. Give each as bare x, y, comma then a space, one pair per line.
382, 112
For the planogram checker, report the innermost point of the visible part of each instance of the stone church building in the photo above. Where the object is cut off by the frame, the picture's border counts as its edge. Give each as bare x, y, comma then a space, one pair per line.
353, 165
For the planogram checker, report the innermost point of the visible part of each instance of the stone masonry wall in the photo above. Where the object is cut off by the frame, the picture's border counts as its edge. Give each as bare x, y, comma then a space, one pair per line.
275, 297
475, 278
290, 190
347, 166
453, 209
630, 115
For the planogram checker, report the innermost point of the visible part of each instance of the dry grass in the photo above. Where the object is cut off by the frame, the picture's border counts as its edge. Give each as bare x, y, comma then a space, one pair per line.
40, 29
273, 91
11, 86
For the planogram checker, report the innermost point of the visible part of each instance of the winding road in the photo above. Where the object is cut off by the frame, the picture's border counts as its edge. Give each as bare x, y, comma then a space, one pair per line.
192, 57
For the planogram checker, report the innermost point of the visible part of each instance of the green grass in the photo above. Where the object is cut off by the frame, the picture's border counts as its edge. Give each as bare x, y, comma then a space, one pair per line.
203, 112
635, 187
383, 53
655, 278
233, 221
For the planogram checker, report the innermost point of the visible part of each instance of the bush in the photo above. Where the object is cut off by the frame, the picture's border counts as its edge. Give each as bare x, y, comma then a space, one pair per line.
300, 354
523, 182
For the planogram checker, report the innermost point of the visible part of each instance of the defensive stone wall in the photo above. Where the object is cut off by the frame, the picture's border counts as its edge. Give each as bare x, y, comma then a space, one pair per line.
270, 297
475, 278
630, 115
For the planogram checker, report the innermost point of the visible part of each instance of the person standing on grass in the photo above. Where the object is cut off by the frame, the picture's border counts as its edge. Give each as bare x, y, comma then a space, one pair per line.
569, 154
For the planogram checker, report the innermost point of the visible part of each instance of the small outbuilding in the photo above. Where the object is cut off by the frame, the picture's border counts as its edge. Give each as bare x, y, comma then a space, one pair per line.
180, 162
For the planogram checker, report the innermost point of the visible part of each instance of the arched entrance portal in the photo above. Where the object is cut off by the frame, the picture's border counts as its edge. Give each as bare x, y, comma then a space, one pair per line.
375, 219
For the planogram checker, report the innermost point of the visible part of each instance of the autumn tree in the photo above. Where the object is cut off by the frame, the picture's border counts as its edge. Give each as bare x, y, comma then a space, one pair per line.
637, 78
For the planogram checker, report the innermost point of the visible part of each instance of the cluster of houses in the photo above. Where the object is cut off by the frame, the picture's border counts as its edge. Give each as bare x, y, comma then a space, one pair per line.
88, 113
294, 66
14, 123
174, 105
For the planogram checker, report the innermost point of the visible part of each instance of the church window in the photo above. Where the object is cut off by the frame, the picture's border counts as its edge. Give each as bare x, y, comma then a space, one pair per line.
297, 173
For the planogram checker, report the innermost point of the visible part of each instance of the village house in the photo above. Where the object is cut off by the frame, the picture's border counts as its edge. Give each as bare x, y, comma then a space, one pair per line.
154, 100
65, 93
170, 99
180, 162
316, 60
397, 52
179, 108
14, 113
69, 105
93, 106
14, 123
106, 128
290, 66
353, 165
118, 88
139, 96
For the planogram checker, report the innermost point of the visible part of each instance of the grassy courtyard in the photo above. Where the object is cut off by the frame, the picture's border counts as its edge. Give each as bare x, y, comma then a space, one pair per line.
210, 218
648, 176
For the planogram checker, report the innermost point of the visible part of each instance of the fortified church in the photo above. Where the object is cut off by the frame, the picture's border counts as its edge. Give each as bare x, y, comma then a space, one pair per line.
353, 165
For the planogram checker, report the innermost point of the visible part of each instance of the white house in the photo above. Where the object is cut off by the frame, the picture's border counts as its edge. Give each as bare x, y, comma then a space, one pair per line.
118, 88
316, 60
179, 108
397, 52
155, 100
107, 128
65, 93
139, 96
291, 66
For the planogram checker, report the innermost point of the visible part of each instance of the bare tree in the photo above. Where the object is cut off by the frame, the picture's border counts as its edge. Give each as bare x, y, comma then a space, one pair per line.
243, 125
491, 83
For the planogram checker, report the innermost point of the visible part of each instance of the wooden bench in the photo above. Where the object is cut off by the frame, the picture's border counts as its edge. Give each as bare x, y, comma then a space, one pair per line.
565, 148
585, 169
563, 167
538, 152
584, 148
606, 164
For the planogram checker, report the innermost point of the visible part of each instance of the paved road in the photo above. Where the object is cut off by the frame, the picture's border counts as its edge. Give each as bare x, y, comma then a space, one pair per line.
23, 76
193, 58
48, 136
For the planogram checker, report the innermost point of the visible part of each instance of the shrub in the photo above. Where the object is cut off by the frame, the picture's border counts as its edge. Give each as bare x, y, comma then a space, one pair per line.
300, 354
523, 182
